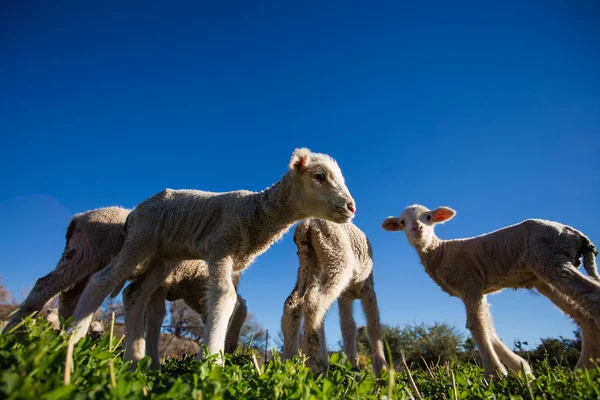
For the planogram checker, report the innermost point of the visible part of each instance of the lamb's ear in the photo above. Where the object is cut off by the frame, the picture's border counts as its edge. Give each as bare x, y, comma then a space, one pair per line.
300, 159
442, 214
391, 224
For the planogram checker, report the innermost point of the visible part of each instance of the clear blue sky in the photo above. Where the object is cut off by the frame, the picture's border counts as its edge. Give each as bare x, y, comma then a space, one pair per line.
492, 110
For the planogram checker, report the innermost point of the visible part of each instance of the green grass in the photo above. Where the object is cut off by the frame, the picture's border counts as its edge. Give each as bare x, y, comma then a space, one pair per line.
32, 366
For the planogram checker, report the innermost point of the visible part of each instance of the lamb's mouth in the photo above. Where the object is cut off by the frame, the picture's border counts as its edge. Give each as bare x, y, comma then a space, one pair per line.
343, 215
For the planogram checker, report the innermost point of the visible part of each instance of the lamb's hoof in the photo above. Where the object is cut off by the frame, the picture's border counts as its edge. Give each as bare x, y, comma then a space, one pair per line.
379, 365
318, 367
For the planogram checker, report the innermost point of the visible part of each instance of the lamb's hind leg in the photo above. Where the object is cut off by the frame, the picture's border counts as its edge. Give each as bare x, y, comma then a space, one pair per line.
477, 322
585, 292
506, 355
67, 300
590, 336
135, 299
70, 270
155, 314
103, 282
369, 303
235, 325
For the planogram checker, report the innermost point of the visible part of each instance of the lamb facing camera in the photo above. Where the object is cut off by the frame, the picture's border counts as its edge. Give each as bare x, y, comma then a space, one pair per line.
535, 253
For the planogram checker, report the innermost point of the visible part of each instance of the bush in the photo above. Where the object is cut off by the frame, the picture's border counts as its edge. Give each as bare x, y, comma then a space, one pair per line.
437, 343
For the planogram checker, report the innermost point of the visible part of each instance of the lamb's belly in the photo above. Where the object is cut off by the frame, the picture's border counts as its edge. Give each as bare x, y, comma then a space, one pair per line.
352, 291
524, 282
360, 276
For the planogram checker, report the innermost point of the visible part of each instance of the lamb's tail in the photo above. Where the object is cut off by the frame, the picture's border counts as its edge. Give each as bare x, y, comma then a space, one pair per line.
589, 259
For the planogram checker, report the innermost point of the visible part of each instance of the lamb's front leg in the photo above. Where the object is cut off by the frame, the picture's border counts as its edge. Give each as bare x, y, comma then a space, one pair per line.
319, 298
477, 322
369, 303
313, 341
348, 327
221, 303
290, 322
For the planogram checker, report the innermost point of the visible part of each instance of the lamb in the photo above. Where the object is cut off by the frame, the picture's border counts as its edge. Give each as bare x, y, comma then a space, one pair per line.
336, 262
532, 254
93, 239
227, 230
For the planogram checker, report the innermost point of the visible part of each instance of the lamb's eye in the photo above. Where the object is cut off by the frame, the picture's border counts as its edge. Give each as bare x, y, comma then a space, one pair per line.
319, 176
429, 218
402, 222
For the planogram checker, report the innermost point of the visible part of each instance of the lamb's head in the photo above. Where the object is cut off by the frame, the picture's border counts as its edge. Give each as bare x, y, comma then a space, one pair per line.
418, 222
319, 187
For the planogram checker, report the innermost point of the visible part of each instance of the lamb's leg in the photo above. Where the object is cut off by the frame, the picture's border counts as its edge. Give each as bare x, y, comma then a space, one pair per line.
235, 325
290, 323
135, 299
317, 302
155, 314
477, 323
590, 336
69, 271
585, 292
368, 299
67, 300
221, 304
506, 355
103, 282
348, 327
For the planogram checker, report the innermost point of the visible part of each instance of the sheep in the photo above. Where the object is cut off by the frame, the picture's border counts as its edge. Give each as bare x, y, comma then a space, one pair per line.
189, 281
227, 230
535, 253
93, 239
336, 262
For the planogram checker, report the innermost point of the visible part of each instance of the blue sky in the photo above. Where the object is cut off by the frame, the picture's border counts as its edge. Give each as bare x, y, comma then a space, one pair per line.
492, 110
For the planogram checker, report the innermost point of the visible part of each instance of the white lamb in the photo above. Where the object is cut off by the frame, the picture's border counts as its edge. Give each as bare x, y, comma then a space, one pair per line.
228, 230
336, 262
532, 254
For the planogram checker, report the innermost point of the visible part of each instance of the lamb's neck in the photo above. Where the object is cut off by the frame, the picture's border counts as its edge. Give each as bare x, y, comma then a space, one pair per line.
432, 255
273, 212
